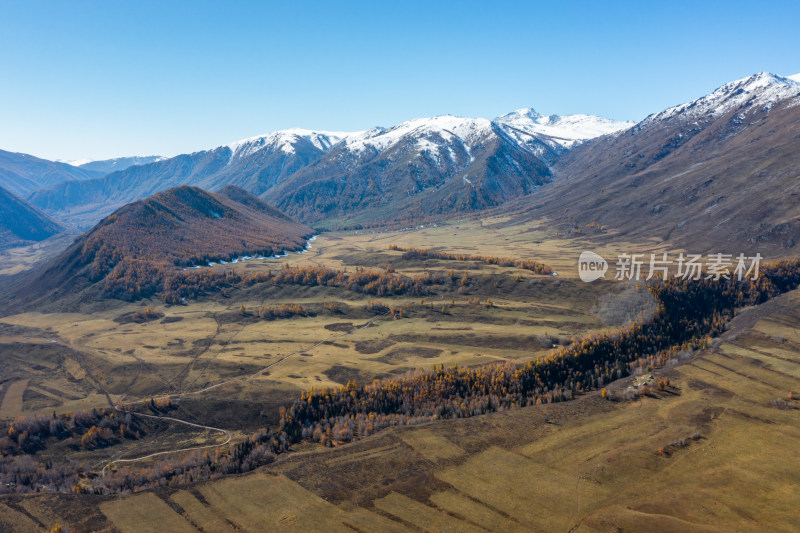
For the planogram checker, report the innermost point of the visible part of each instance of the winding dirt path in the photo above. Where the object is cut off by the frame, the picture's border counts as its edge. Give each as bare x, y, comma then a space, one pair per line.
167, 452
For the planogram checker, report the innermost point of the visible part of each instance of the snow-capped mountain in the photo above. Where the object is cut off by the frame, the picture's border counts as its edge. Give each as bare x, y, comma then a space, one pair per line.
255, 164
448, 128
759, 91
527, 125
107, 166
794, 77
418, 168
414, 157
286, 141
446, 164
719, 169
444, 142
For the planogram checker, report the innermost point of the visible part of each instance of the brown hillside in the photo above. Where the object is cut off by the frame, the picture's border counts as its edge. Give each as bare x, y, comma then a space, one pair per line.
144, 248
188, 226
730, 184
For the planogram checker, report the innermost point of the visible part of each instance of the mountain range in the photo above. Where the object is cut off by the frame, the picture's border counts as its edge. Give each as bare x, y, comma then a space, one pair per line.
423, 166
723, 167
107, 166
722, 170
21, 174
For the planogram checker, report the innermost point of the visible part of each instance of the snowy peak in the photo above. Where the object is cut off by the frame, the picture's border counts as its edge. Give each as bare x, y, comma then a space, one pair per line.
118, 161
762, 90
794, 77
565, 131
526, 114
112, 165
445, 128
287, 141
432, 133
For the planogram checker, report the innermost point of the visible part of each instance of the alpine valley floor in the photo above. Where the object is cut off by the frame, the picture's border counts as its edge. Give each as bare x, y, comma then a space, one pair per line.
708, 452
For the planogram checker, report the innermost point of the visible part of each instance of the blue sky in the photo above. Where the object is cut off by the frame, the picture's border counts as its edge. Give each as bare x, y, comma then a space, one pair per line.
103, 79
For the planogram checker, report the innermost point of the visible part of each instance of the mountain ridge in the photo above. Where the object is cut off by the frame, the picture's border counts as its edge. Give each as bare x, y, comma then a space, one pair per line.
438, 166
261, 163
106, 166
23, 223
720, 176
763, 88
419, 168
21, 174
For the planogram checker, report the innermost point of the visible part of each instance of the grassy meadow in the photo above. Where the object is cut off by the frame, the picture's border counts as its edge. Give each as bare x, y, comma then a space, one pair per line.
706, 453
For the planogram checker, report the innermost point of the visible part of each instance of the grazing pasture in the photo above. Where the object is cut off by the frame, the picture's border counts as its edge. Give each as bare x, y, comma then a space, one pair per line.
681, 457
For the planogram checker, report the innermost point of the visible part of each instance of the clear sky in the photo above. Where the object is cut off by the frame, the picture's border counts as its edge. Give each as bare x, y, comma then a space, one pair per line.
111, 78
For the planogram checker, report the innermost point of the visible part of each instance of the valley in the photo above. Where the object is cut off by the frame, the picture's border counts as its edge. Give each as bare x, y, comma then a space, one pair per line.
184, 348
233, 370
593, 462
388, 330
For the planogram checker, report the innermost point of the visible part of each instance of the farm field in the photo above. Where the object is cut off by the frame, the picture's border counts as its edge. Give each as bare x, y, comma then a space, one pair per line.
708, 453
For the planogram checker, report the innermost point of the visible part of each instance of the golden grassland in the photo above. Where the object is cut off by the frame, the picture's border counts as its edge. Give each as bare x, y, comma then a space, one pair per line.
72, 359
714, 451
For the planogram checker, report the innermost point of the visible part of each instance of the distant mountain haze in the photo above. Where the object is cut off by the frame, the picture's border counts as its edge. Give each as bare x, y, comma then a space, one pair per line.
21, 223
21, 174
106, 166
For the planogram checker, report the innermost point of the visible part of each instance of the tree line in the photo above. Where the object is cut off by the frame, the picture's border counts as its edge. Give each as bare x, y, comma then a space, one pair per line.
428, 253
132, 278
181, 285
689, 312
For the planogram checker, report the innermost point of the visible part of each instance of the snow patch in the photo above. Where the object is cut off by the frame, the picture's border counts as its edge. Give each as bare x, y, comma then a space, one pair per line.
78, 162
427, 132
564, 131
121, 162
243, 258
286, 141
